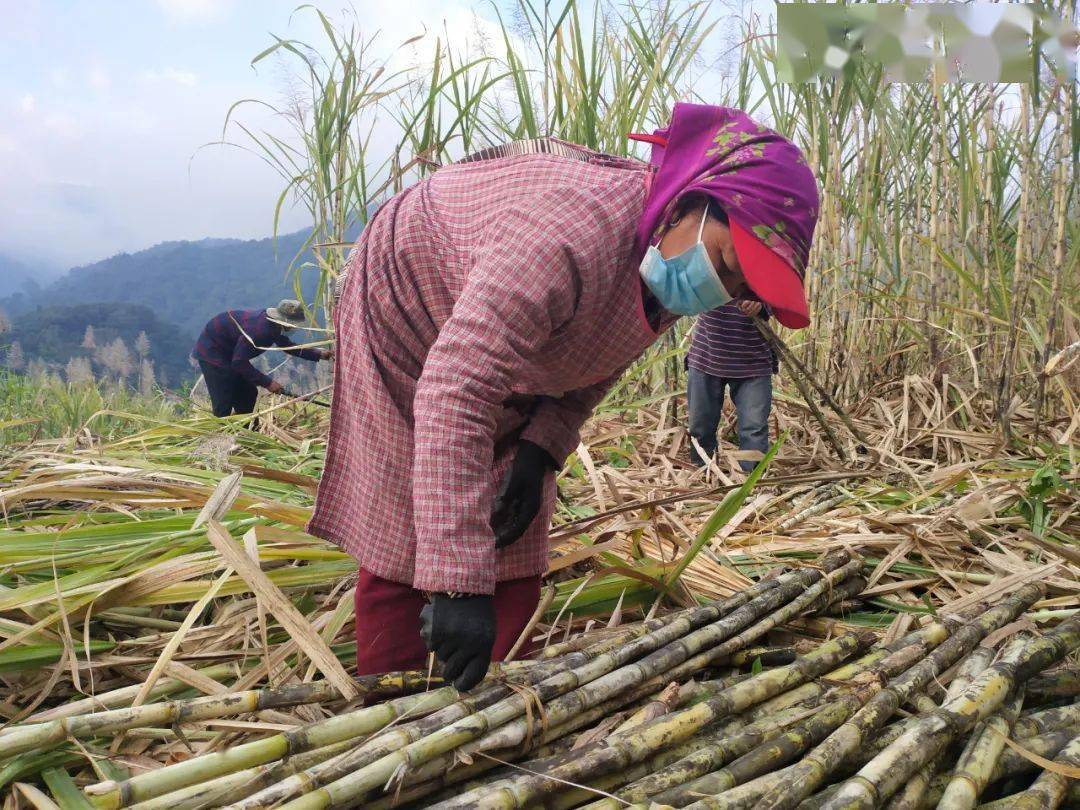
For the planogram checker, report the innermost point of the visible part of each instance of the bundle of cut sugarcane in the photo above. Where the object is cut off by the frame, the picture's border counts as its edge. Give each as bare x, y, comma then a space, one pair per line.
684, 710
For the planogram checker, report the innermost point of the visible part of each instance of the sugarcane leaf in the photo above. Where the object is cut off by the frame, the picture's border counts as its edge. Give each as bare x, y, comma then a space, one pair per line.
755, 668
929, 605
723, 513
64, 790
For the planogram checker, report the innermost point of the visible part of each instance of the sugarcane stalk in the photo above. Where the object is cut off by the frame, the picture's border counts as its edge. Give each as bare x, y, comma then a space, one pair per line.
118, 698
808, 397
1009, 764
465, 720
702, 762
1063, 683
671, 698
1043, 721
769, 656
650, 778
1040, 722
714, 788
1050, 789
793, 742
359, 782
910, 795
437, 774
148, 785
933, 632
232, 786
397, 738
43, 736
1023, 657
630, 632
619, 753
971, 774
843, 592
302, 780
717, 639
808, 775
774, 751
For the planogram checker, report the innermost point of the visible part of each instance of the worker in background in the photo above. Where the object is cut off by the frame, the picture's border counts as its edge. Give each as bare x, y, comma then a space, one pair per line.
485, 312
728, 352
229, 342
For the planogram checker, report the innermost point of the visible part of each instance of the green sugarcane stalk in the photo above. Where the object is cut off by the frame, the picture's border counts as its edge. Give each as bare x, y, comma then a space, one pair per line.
377, 774
764, 715
395, 739
1022, 658
1051, 789
619, 753
1021, 801
307, 778
118, 698
702, 762
440, 772
630, 632
723, 745
579, 665
769, 657
149, 785
910, 796
1009, 764
1041, 721
939, 630
793, 742
773, 752
971, 774
717, 790
460, 723
437, 774
1063, 683
716, 638
806, 776
43, 736
231, 786
843, 593
1034, 723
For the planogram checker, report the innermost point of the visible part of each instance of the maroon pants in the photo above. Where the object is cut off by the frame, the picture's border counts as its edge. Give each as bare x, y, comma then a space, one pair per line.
388, 622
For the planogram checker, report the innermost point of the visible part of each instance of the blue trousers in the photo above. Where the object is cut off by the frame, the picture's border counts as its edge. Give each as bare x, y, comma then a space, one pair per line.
752, 397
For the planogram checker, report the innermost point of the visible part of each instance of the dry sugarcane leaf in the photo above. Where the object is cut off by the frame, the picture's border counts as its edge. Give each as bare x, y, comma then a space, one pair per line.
35, 796
283, 610
221, 500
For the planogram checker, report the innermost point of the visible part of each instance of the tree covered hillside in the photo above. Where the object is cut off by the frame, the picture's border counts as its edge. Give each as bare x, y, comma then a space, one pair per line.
108, 341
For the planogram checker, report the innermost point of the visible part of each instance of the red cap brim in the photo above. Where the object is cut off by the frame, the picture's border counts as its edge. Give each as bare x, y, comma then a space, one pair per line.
772, 279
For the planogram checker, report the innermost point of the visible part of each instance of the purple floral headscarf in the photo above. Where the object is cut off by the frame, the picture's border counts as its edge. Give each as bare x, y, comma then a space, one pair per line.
760, 179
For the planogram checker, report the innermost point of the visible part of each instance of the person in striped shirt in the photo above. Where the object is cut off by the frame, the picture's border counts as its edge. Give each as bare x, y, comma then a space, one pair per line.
728, 352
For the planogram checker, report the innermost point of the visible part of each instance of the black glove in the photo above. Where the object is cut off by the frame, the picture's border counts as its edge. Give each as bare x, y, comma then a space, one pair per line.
521, 493
461, 632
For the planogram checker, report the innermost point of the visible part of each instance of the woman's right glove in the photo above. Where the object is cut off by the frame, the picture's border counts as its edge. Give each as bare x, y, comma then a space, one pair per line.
460, 630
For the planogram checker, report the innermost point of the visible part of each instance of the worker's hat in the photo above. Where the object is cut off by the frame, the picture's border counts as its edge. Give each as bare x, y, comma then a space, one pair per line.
288, 312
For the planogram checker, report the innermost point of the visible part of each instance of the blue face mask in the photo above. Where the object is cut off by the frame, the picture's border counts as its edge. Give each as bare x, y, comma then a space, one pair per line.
686, 284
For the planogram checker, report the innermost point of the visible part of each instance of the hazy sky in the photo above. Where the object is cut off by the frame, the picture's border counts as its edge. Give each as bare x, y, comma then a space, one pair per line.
104, 104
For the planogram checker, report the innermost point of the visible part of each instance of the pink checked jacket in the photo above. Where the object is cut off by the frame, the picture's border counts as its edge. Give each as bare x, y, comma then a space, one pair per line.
494, 301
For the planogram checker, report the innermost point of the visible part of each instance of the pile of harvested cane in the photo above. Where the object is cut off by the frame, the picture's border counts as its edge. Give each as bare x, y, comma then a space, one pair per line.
684, 710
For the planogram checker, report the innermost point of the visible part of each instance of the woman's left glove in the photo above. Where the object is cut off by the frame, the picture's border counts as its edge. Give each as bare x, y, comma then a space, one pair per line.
521, 493
460, 630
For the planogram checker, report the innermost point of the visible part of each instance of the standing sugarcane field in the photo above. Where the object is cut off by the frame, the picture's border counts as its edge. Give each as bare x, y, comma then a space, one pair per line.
630, 404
